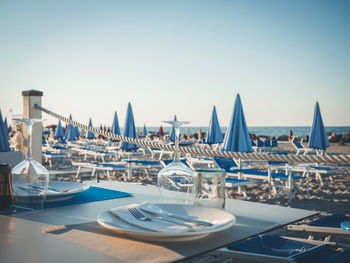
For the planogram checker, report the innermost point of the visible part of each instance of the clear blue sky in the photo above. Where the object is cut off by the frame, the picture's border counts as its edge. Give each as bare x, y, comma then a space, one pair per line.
90, 58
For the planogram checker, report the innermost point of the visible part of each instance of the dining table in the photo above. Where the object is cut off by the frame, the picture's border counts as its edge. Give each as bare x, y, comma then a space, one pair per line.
71, 233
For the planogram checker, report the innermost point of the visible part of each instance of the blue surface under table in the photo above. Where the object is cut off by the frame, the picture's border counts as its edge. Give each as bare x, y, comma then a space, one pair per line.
93, 194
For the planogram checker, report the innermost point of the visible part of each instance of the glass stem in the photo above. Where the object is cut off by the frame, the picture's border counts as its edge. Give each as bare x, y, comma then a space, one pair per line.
29, 140
177, 135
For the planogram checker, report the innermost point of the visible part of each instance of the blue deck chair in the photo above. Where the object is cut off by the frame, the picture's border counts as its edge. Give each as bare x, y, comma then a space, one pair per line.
144, 165
288, 181
267, 143
55, 158
274, 144
105, 167
329, 225
273, 248
231, 168
299, 147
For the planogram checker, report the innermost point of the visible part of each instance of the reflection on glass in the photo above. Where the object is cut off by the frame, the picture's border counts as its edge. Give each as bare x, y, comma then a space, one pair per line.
29, 178
175, 181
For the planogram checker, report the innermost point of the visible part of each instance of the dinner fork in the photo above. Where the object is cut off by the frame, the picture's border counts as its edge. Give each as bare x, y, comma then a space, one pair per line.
138, 215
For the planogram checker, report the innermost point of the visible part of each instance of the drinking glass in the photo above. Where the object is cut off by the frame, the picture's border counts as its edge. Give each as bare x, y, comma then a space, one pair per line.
175, 181
209, 187
29, 178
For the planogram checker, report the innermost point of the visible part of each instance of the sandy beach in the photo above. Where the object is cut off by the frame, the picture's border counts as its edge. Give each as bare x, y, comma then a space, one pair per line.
332, 197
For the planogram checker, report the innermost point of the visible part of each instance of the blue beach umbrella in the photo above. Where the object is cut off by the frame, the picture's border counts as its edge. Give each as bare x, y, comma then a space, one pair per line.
115, 126
214, 131
90, 135
172, 134
4, 143
70, 131
144, 132
129, 131
318, 135
6, 134
6, 127
76, 131
59, 131
2, 137
237, 136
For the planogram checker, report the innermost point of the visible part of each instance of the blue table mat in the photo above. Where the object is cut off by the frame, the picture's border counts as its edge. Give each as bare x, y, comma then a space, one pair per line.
93, 194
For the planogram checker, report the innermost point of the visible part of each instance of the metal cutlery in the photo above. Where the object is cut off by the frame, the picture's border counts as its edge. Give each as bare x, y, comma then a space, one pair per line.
153, 209
138, 215
143, 217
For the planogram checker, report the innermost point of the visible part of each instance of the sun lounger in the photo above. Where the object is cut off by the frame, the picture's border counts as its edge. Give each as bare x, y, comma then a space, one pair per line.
273, 248
279, 183
299, 147
54, 157
144, 165
231, 169
105, 167
162, 153
327, 224
318, 170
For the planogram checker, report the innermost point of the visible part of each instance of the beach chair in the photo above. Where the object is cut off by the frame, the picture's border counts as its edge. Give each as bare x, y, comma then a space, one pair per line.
55, 158
279, 183
234, 174
274, 248
330, 225
103, 155
160, 153
299, 147
200, 161
319, 171
145, 165
107, 168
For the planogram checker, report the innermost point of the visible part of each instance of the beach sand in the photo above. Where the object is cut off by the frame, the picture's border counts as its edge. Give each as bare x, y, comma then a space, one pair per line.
332, 197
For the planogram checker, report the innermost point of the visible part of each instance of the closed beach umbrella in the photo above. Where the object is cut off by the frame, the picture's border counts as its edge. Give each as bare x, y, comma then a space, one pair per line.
115, 126
144, 132
214, 131
172, 134
76, 131
70, 131
6, 129
4, 143
129, 130
59, 131
318, 135
2, 136
70, 134
90, 135
237, 136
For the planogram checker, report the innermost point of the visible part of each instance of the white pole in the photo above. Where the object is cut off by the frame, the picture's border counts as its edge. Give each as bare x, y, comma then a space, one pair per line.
30, 98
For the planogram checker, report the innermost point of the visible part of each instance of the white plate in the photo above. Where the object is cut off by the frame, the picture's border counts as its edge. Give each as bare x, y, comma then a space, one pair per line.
65, 190
221, 220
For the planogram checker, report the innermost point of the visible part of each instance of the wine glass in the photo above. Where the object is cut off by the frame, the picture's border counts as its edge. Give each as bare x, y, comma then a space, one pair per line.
175, 181
29, 178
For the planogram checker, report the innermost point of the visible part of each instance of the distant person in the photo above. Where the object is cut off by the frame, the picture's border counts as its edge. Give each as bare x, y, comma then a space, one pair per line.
290, 136
18, 141
200, 135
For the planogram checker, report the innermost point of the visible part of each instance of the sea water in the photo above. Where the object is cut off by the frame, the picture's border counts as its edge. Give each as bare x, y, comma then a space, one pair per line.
298, 131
